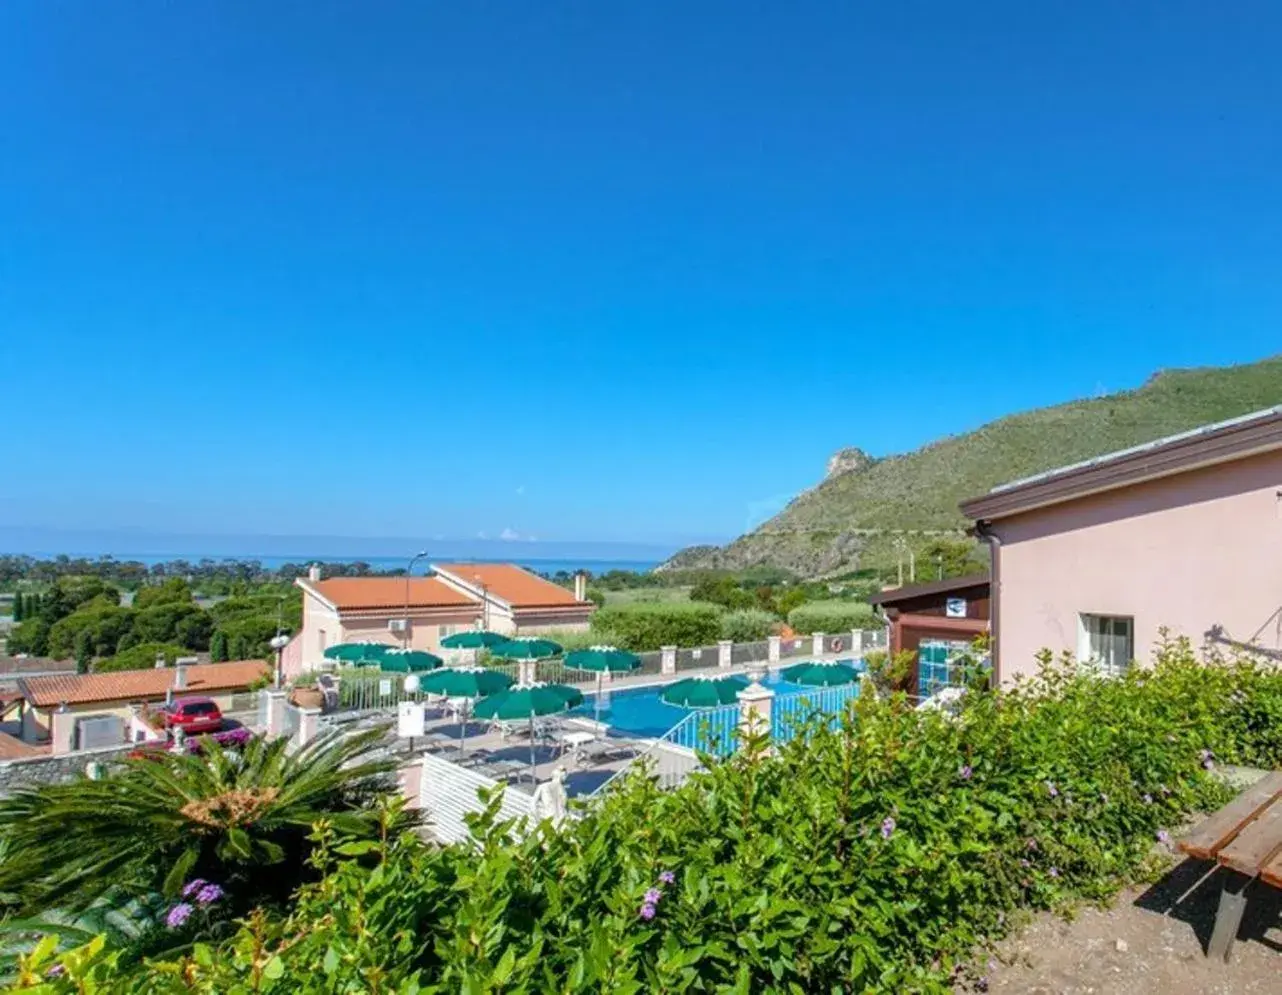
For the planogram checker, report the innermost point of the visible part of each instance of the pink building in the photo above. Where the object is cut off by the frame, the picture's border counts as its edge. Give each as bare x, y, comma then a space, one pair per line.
1183, 533
418, 613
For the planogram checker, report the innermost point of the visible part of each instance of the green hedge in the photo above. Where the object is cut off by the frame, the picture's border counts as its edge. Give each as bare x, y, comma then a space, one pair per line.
877, 856
833, 616
747, 625
649, 625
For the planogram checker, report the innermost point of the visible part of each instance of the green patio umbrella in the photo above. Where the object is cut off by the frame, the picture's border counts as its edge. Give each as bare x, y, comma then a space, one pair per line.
603, 660
526, 649
410, 661
527, 701
357, 652
819, 674
473, 639
704, 692
465, 682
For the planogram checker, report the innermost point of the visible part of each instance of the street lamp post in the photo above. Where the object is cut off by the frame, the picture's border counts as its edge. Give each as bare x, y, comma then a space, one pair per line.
409, 571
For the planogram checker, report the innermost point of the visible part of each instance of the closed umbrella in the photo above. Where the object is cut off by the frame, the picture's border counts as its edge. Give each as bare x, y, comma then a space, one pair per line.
821, 674
528, 701
704, 692
465, 682
603, 660
357, 652
410, 661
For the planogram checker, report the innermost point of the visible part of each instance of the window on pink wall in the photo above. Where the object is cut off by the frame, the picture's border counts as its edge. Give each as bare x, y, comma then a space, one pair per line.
1106, 641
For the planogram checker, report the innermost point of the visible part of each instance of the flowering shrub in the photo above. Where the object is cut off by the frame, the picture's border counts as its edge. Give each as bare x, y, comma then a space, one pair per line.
875, 855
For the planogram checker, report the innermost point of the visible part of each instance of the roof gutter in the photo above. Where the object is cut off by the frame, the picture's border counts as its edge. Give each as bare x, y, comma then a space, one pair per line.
984, 532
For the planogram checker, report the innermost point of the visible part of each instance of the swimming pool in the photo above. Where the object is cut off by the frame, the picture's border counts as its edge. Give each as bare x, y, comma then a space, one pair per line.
643, 713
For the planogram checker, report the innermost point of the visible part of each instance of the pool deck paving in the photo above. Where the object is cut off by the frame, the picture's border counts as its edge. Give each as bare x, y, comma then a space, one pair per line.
504, 756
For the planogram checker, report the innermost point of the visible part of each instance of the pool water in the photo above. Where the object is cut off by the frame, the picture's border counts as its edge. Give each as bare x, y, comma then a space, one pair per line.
642, 712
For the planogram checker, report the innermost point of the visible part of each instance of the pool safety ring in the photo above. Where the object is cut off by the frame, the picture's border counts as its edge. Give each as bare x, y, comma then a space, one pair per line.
836, 646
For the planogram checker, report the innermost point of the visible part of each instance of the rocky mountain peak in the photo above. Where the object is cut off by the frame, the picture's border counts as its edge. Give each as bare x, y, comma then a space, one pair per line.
847, 461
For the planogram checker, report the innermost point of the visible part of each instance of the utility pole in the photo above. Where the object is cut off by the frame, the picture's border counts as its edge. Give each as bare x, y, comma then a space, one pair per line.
409, 570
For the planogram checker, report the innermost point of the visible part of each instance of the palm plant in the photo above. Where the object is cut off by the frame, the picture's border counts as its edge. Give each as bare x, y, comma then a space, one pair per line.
224, 815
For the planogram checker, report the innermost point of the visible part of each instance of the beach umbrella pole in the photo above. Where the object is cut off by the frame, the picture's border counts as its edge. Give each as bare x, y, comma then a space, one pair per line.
534, 778
600, 683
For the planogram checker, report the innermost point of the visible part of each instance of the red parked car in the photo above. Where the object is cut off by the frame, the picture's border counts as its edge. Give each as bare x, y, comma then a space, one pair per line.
193, 715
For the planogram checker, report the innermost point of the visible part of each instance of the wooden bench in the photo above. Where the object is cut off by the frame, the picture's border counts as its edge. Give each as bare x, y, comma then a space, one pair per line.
1245, 838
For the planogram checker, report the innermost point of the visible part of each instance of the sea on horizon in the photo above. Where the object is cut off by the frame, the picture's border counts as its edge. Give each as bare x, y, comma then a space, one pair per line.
541, 565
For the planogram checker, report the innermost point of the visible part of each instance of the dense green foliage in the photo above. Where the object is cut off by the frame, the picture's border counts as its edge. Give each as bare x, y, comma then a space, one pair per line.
650, 625
141, 656
83, 616
748, 625
221, 814
833, 616
207, 577
849, 520
875, 856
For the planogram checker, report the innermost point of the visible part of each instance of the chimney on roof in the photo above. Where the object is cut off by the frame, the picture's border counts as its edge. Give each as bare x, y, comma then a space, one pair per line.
313, 573
580, 585
180, 672
160, 661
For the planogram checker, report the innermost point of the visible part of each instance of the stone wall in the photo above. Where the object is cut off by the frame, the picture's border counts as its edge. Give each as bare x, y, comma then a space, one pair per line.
51, 769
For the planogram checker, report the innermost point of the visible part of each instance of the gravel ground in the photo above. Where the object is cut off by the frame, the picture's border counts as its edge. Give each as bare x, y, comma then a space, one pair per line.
1150, 942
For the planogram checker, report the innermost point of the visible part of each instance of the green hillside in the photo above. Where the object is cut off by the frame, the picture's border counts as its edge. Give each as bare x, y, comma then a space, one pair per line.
852, 519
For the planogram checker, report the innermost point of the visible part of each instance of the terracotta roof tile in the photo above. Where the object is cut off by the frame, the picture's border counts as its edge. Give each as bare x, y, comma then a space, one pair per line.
12, 748
138, 685
367, 593
518, 587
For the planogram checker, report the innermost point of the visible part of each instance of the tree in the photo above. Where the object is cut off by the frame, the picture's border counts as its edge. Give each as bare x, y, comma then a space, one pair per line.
218, 646
84, 651
141, 656
220, 815
722, 591
176, 590
17, 606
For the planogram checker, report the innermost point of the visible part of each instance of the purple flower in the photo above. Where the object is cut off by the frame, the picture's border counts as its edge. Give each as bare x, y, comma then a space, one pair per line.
652, 896
887, 827
193, 886
667, 877
1206, 755
1024, 862
1208, 764
1054, 791
1163, 836
57, 971
1054, 872
966, 772
178, 915
648, 911
209, 894
981, 984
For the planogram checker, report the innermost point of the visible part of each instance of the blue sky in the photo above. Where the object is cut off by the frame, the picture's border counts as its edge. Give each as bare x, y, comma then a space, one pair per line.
598, 271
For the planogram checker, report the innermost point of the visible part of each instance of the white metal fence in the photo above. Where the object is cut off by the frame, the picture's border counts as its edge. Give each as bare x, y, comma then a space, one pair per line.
448, 794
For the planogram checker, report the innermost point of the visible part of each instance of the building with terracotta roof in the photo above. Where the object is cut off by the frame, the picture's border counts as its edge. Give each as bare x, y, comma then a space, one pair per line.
515, 600
54, 706
1182, 534
419, 612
